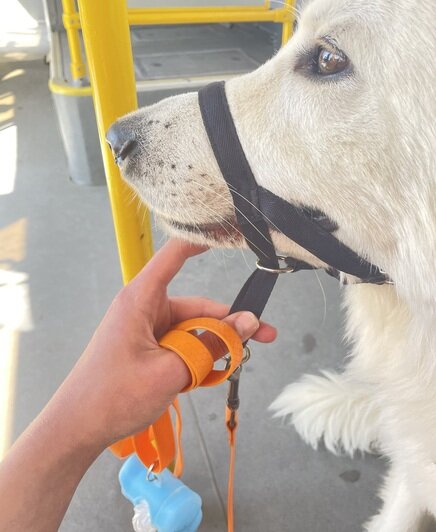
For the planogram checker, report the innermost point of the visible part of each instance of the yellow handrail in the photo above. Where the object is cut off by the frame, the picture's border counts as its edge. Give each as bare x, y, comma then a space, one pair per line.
110, 65
205, 15
185, 15
194, 15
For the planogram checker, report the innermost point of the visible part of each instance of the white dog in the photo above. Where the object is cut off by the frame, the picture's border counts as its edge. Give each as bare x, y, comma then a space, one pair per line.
342, 120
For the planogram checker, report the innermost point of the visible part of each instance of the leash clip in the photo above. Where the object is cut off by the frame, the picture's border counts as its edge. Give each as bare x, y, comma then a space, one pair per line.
233, 398
233, 393
287, 268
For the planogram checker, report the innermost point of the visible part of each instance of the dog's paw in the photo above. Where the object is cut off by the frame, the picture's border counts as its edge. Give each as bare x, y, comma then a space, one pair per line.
420, 522
334, 408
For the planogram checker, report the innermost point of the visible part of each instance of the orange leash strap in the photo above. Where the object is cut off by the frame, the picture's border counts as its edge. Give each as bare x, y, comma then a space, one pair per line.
232, 425
179, 463
123, 448
157, 447
154, 446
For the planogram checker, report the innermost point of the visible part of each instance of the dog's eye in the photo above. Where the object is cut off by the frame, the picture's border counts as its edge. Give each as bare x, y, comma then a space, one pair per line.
329, 62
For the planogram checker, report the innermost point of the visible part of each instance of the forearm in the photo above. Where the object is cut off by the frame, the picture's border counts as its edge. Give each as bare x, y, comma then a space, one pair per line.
41, 472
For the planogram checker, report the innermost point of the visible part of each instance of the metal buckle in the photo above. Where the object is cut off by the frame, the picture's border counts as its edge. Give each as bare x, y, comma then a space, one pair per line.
285, 269
245, 358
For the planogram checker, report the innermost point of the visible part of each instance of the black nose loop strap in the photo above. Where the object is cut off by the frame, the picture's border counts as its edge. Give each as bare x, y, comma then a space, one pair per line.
242, 185
236, 171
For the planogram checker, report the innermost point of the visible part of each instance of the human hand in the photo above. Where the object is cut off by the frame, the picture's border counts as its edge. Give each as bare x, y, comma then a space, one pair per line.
124, 379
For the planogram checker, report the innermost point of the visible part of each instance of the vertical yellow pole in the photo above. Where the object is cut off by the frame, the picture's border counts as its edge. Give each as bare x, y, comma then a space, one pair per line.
108, 49
287, 26
77, 65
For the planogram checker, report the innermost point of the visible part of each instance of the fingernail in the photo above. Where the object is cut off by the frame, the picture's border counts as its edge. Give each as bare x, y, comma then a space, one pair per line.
246, 324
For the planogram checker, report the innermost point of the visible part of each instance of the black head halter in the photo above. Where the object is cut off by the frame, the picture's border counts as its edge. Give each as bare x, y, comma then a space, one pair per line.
257, 207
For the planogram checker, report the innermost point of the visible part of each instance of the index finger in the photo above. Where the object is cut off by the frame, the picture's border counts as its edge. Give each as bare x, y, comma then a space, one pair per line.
167, 262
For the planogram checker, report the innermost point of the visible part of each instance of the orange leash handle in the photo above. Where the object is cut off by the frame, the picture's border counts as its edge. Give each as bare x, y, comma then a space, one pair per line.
155, 446
195, 354
192, 351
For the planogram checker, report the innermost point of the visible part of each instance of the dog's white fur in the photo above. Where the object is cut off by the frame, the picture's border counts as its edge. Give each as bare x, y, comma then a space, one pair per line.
362, 149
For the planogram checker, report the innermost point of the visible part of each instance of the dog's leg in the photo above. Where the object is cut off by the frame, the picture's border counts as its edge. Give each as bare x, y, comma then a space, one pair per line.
333, 407
401, 511
345, 409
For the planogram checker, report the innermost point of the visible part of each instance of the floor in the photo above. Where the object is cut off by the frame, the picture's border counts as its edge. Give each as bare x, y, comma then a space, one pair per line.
58, 273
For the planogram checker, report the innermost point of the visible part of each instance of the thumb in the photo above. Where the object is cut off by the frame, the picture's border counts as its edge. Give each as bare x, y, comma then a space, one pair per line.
244, 323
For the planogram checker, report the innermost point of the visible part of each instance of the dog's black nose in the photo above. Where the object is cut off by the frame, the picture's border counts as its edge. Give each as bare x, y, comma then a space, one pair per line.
121, 140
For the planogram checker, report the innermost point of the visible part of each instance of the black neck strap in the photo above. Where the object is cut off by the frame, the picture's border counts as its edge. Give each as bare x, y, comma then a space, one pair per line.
258, 211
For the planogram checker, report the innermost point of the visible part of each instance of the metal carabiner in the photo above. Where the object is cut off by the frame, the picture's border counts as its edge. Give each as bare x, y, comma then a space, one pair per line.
233, 393
151, 477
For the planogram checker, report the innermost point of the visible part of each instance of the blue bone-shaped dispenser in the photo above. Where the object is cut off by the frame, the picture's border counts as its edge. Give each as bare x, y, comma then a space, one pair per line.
171, 506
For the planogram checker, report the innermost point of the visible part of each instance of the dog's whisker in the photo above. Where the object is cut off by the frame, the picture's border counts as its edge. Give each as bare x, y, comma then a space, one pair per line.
323, 296
221, 196
195, 224
210, 210
229, 203
293, 9
131, 197
238, 210
258, 210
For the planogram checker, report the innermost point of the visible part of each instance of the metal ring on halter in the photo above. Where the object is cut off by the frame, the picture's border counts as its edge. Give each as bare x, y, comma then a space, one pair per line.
151, 477
245, 358
285, 269
387, 280
247, 354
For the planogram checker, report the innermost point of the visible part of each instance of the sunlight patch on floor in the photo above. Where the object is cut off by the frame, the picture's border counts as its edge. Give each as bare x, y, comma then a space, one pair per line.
8, 374
8, 157
22, 36
15, 317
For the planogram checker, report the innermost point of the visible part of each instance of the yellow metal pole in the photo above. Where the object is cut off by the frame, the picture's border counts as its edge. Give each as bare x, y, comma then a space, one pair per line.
69, 19
287, 27
108, 49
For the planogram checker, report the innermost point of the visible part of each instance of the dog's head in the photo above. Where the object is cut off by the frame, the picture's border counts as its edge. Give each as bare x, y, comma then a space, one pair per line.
341, 120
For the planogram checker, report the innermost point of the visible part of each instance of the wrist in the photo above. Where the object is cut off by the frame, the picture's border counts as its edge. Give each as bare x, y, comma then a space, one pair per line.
73, 421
